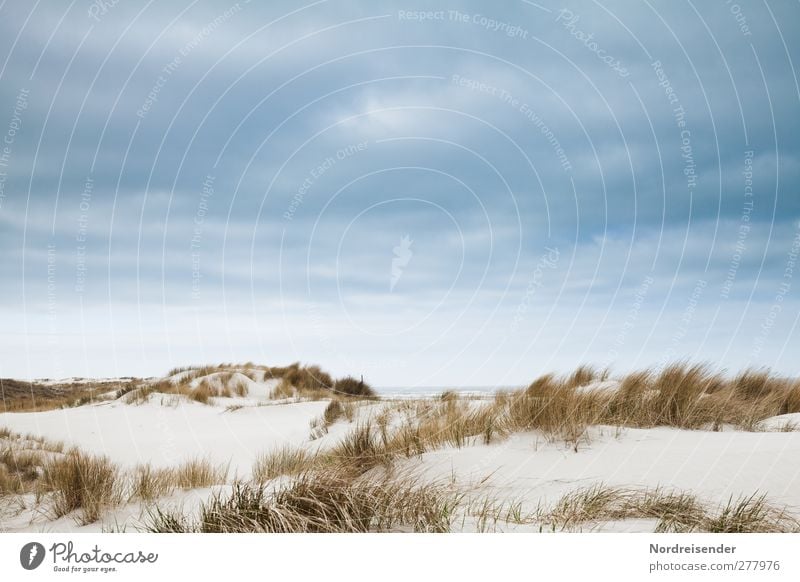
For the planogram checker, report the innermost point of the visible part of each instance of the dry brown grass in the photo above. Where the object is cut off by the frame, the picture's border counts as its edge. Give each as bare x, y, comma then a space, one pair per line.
332, 499
674, 511
86, 484
178, 370
329, 502
22, 460
791, 402
450, 422
148, 483
81, 482
198, 473
284, 389
19, 470
282, 461
553, 408
583, 376
359, 451
202, 391
313, 383
333, 412
680, 395
338, 502
33, 396
349, 386
751, 514
232, 383
239, 387
198, 383
308, 379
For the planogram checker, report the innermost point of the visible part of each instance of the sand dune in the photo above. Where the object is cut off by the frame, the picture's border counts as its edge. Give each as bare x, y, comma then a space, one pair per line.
529, 469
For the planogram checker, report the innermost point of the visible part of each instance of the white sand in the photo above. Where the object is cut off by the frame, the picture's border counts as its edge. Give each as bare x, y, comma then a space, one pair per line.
168, 435
712, 465
606, 386
169, 429
782, 422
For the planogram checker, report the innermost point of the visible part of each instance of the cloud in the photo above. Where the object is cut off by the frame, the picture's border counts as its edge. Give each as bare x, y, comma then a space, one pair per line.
330, 132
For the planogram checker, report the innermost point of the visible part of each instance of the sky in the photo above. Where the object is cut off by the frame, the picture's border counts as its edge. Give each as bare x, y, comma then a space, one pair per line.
444, 193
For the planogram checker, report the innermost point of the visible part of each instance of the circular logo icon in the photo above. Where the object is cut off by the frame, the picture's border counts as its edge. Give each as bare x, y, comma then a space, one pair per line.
31, 555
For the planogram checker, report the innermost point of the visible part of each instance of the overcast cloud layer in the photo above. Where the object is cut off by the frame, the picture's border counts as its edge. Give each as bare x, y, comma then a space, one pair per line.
467, 196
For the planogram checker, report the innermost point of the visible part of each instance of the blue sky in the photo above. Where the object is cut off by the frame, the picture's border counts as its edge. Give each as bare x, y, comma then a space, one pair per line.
428, 193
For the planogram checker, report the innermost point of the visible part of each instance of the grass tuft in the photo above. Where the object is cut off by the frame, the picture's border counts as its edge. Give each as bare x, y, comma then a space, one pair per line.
283, 461
198, 473
81, 482
349, 386
148, 483
328, 502
674, 512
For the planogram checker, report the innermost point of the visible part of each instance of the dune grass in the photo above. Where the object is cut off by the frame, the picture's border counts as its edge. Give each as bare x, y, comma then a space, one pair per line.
198, 383
350, 386
333, 412
752, 514
149, 483
282, 390
336, 410
673, 511
37, 396
198, 472
81, 482
562, 408
313, 383
328, 502
18, 470
282, 461
335, 501
357, 468
202, 391
22, 460
73, 482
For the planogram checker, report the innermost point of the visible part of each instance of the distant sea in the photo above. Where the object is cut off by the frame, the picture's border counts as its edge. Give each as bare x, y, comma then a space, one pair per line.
429, 391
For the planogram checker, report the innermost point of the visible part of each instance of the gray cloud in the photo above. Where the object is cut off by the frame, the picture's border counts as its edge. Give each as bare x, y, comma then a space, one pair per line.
487, 136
